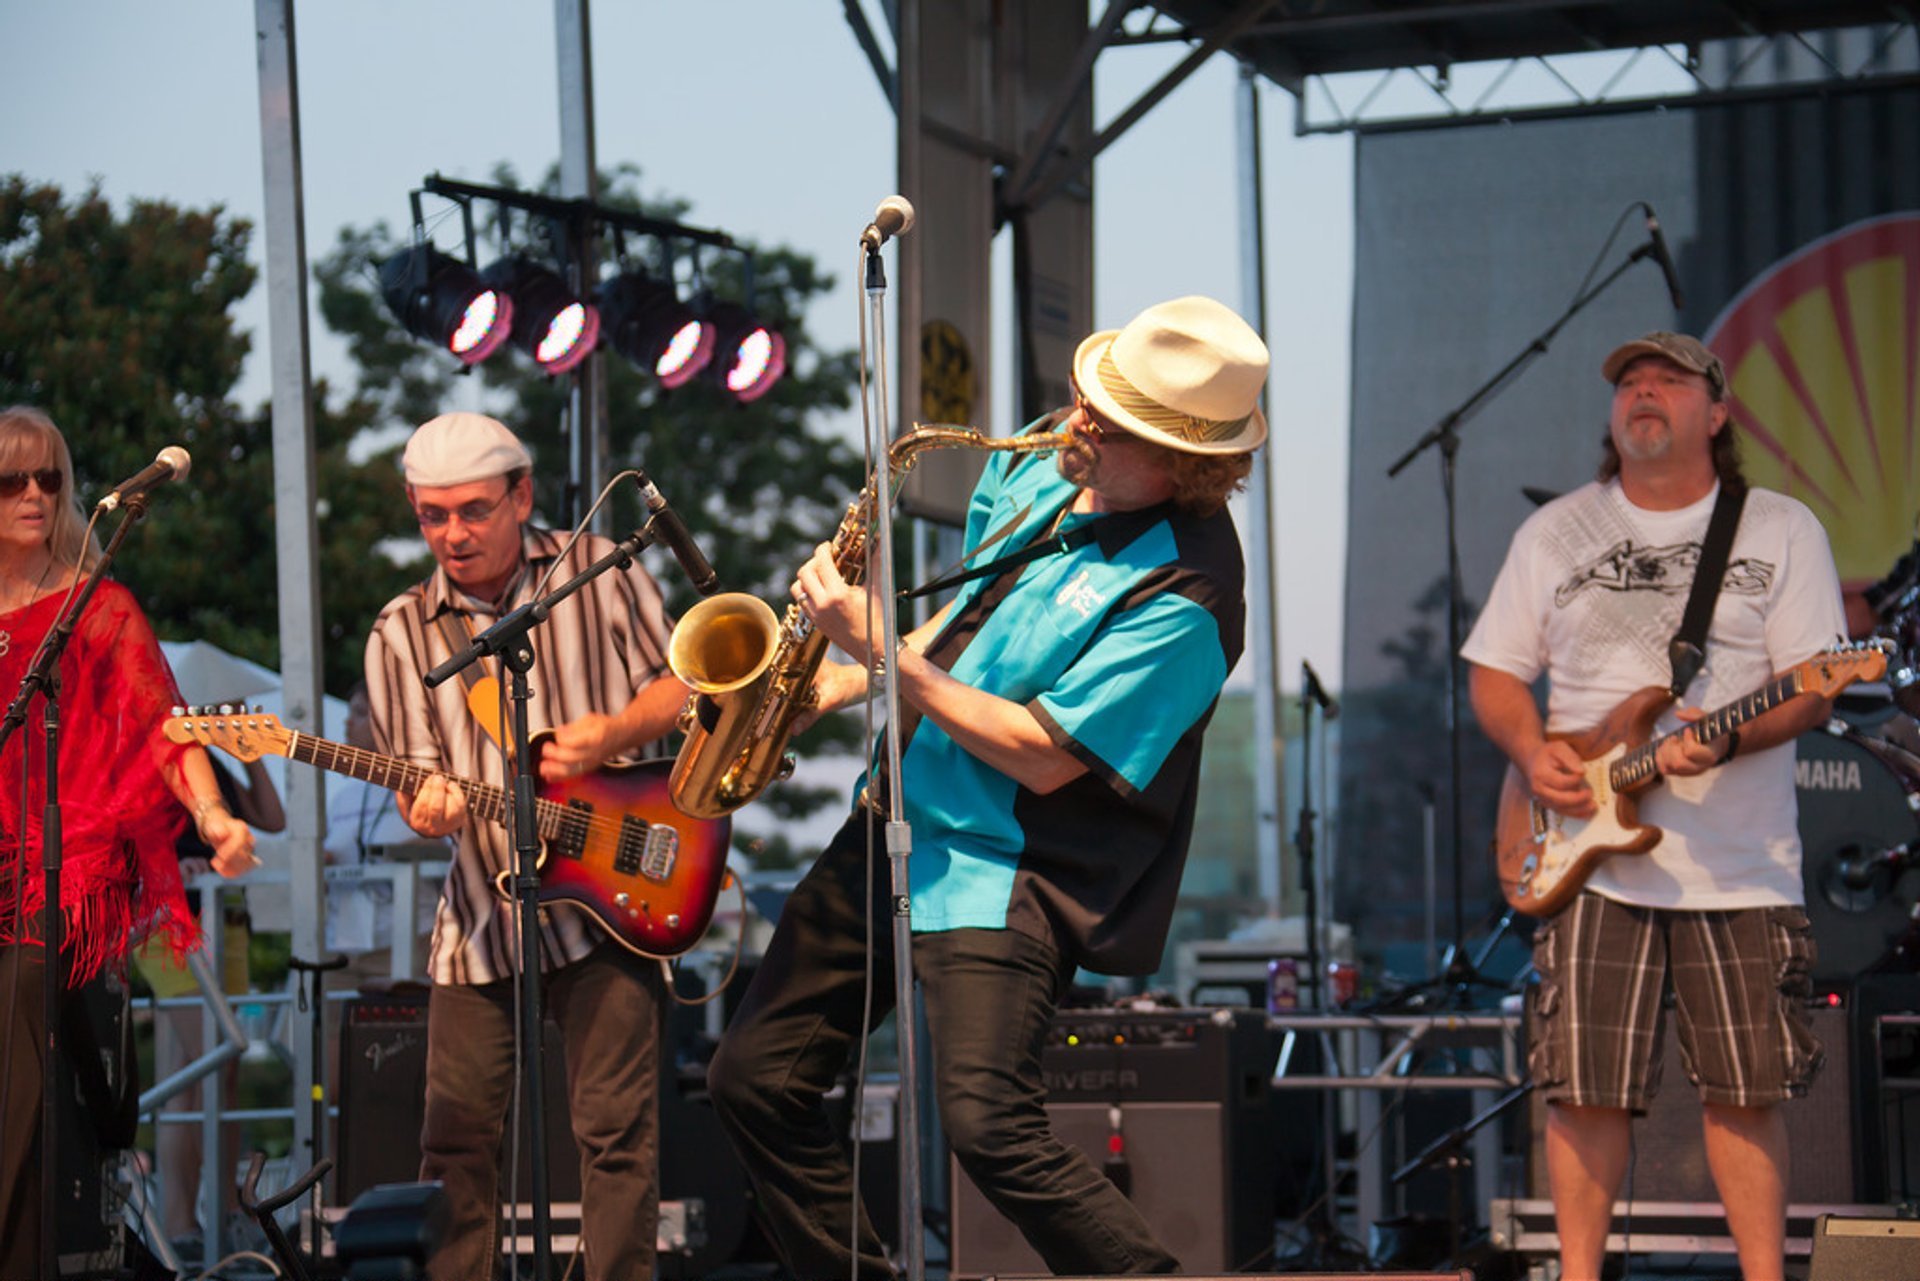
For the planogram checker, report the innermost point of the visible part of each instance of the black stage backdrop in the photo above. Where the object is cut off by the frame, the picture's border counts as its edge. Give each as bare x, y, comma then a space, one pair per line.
1796, 227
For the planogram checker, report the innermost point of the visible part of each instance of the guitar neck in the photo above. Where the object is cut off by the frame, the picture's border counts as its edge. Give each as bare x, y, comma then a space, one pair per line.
483, 799
1636, 768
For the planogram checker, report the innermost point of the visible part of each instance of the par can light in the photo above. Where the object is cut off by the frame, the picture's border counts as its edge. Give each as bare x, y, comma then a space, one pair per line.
550, 323
646, 323
437, 297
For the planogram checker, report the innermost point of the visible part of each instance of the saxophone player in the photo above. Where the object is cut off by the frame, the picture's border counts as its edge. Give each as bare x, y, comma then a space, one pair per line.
1051, 724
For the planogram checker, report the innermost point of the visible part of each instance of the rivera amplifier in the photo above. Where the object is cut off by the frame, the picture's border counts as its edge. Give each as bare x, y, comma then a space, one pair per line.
1190, 1094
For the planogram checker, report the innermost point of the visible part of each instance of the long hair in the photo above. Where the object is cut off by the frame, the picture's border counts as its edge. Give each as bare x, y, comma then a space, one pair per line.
1726, 457
27, 436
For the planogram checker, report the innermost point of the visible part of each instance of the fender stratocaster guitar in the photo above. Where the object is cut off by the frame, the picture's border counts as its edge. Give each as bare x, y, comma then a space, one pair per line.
611, 842
1545, 857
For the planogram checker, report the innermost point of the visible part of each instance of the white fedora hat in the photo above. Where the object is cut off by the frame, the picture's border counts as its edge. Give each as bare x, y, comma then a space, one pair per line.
1185, 374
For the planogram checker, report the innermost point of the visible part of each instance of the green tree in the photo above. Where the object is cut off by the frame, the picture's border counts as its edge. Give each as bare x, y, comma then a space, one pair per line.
759, 484
120, 327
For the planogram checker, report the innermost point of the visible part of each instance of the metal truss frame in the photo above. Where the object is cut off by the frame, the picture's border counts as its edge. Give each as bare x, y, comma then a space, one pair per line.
1791, 64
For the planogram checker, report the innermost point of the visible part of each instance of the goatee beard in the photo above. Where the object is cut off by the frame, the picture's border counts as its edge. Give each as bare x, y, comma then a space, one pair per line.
1075, 463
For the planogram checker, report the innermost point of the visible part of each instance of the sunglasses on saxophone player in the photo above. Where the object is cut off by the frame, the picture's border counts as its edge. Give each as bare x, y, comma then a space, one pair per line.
12, 483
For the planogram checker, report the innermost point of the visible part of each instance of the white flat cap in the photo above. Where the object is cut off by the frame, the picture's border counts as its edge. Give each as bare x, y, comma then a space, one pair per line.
456, 448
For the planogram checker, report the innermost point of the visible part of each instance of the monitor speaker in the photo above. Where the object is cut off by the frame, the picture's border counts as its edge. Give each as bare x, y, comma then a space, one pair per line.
1313, 1276
1846, 1249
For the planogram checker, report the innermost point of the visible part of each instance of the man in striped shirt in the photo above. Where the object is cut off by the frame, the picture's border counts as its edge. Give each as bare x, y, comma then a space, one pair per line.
600, 684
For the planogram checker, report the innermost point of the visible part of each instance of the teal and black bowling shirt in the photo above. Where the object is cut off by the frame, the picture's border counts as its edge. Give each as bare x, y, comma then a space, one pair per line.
1119, 647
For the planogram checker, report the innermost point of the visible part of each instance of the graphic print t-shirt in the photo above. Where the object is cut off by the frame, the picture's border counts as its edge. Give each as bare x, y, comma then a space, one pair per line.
1592, 590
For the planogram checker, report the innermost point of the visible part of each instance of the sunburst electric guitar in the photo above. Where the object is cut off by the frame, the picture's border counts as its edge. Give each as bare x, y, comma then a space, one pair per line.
611, 842
1545, 857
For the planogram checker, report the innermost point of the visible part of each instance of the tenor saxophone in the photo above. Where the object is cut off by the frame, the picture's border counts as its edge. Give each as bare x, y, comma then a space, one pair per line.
752, 674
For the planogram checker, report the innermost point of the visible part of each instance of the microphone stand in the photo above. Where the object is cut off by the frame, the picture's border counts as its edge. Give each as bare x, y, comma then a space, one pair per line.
1461, 972
508, 638
44, 678
1324, 1229
899, 832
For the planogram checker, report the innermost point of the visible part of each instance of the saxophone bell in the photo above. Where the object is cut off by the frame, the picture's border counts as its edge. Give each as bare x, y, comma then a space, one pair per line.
724, 643
752, 675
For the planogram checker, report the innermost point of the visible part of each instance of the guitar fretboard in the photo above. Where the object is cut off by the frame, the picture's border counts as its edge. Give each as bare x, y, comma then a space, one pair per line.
1636, 767
551, 819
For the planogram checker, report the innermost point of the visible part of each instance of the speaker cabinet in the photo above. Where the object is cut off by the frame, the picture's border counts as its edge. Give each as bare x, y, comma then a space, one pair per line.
383, 1098
1886, 1088
1194, 1100
1865, 1249
1669, 1148
96, 1091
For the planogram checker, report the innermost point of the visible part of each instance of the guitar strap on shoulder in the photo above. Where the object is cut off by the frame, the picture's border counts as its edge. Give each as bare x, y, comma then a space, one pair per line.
483, 687
1687, 651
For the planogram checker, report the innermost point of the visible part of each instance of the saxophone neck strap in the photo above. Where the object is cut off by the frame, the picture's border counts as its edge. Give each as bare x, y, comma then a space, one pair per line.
1054, 542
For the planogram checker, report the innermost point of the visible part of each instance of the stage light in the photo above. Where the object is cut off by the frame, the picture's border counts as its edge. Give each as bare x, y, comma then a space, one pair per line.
441, 299
748, 356
550, 323
645, 322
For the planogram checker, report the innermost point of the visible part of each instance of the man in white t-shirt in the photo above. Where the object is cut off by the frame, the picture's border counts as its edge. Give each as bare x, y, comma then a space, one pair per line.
1592, 590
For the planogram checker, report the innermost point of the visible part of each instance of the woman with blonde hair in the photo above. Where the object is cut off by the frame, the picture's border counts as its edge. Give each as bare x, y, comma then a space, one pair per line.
125, 792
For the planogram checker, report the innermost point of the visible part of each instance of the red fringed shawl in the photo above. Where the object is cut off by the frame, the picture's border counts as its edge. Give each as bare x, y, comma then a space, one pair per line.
120, 880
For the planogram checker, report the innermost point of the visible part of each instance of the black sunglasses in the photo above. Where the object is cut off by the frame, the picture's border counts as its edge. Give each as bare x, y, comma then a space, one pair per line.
13, 482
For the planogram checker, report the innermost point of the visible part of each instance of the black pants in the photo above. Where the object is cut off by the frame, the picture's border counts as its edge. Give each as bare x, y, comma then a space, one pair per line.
990, 998
23, 1040
608, 1008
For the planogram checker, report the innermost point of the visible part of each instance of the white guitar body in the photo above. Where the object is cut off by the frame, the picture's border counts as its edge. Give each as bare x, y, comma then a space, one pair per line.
1544, 863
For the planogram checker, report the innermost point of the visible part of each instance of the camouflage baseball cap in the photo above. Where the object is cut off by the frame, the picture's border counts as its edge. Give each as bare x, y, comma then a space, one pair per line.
1682, 349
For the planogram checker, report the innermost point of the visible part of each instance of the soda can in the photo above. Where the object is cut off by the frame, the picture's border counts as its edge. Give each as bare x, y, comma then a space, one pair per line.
1343, 982
1283, 985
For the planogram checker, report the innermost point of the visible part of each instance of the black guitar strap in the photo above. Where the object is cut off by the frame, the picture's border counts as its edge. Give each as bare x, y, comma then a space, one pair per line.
1687, 651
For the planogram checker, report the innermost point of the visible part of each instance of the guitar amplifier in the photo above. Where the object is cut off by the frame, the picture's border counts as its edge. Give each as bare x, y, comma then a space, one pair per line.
1192, 1089
383, 1097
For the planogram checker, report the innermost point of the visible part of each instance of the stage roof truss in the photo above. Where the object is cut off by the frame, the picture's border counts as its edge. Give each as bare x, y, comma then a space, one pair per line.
1425, 63
1787, 65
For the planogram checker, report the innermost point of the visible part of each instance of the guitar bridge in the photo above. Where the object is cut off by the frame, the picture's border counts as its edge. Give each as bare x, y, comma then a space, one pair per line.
647, 849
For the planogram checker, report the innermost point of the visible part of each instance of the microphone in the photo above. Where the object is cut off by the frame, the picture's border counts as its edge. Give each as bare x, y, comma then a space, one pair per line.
893, 218
676, 536
172, 463
1329, 705
1665, 259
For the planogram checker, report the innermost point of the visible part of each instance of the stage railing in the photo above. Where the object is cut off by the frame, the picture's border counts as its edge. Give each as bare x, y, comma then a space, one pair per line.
224, 1036
1365, 1055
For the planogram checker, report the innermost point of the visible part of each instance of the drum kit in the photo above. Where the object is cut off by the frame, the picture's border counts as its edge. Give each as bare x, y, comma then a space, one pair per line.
1858, 784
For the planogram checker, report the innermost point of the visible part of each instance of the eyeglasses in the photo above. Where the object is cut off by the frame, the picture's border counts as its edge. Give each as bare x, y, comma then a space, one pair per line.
477, 512
13, 483
1093, 424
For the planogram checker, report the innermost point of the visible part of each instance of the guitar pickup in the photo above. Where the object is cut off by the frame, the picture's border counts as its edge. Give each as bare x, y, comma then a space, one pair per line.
647, 849
569, 837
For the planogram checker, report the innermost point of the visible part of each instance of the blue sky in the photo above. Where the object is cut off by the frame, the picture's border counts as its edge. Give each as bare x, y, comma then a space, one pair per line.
763, 113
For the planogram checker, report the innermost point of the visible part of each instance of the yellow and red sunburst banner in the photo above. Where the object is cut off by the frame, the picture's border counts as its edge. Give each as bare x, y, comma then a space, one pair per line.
1823, 359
